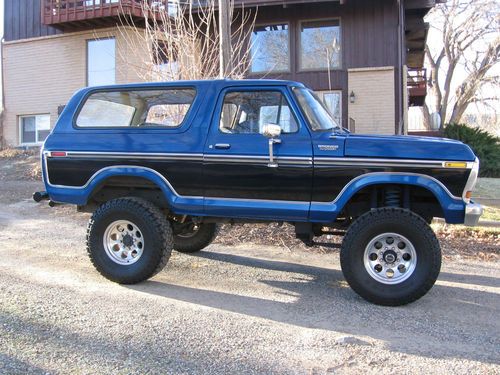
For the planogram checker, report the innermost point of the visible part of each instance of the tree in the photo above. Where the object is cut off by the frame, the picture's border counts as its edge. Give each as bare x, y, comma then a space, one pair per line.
181, 41
464, 65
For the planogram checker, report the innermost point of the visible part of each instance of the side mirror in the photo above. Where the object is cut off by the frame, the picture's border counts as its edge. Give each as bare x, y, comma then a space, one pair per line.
271, 130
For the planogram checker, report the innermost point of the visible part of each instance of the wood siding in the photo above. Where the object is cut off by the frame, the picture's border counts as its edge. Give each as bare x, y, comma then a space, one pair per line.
369, 38
23, 20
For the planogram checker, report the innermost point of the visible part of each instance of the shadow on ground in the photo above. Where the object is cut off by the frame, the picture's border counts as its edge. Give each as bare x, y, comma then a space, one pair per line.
324, 301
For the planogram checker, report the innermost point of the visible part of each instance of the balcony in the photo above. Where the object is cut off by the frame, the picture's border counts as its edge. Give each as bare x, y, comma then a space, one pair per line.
85, 14
417, 86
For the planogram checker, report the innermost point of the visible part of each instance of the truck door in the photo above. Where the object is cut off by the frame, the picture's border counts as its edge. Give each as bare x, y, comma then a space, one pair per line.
239, 179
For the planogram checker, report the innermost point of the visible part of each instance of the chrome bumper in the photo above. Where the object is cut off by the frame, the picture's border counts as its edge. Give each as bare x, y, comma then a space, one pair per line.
473, 212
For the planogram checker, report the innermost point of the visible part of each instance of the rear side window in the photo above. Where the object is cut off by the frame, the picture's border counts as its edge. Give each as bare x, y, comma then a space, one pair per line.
136, 108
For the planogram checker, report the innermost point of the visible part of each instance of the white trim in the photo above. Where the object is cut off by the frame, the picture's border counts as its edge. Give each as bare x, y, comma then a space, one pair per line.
471, 181
247, 199
371, 69
46, 153
20, 129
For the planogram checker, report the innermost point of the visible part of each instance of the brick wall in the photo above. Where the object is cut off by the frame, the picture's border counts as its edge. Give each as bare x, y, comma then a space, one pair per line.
41, 74
374, 107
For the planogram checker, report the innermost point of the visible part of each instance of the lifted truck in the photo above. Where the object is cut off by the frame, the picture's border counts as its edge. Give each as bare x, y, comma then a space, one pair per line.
161, 165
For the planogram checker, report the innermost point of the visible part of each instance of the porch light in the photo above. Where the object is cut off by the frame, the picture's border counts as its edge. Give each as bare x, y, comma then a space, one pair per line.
352, 97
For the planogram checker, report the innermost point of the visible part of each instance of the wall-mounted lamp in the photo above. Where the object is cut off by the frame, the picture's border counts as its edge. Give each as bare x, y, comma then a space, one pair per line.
352, 97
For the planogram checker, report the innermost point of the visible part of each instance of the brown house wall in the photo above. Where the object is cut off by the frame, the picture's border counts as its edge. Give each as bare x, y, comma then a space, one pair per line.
23, 20
369, 38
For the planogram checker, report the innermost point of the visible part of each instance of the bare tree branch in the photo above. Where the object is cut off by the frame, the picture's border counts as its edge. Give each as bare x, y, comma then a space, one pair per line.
470, 43
182, 43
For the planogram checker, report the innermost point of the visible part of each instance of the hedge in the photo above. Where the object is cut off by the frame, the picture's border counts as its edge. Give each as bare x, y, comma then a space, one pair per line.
485, 145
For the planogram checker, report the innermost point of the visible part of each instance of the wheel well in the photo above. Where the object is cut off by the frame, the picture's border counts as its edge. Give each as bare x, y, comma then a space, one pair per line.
418, 199
127, 186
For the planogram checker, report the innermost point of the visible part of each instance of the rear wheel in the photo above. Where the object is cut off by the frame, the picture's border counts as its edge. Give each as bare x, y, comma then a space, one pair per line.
192, 237
390, 256
129, 240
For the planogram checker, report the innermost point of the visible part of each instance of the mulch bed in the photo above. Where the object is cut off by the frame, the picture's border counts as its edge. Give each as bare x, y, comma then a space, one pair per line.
456, 242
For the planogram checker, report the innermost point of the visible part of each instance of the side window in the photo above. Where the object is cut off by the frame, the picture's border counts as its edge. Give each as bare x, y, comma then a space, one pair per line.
247, 112
136, 108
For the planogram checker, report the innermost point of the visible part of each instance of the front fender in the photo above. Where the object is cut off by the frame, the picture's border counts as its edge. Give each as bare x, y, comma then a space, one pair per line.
80, 195
453, 207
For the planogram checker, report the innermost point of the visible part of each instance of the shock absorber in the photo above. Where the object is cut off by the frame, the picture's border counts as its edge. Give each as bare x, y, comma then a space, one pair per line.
393, 196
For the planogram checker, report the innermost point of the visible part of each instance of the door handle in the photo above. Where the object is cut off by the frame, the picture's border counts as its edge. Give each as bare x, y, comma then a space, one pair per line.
223, 146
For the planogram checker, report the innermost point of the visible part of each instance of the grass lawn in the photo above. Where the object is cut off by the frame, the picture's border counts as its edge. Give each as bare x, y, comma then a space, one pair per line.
491, 213
488, 188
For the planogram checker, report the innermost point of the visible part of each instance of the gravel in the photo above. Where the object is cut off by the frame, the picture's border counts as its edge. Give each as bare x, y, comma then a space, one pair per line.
233, 309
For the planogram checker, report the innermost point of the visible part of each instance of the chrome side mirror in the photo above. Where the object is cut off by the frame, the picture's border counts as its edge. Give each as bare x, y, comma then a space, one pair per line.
272, 131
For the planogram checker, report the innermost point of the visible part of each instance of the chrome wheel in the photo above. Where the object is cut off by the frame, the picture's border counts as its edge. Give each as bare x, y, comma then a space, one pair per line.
123, 242
390, 258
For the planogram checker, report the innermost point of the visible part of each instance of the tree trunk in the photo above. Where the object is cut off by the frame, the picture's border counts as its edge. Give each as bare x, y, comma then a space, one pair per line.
427, 117
225, 39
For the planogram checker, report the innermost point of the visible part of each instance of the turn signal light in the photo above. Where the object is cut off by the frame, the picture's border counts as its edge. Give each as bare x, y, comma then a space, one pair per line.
468, 194
455, 164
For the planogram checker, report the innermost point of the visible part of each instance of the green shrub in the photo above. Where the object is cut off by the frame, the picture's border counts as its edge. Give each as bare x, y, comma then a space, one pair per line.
485, 145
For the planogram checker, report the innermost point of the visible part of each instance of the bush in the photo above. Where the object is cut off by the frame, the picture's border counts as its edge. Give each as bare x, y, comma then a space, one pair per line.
485, 145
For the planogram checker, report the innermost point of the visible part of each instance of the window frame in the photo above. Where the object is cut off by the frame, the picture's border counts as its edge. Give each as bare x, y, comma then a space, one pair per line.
282, 91
289, 41
300, 69
20, 129
138, 129
322, 93
87, 42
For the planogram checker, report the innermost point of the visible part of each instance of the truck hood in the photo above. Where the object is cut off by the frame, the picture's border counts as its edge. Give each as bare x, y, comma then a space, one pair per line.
407, 147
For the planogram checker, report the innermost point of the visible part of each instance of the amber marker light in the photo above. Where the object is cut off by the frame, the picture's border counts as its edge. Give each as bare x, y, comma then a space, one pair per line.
455, 164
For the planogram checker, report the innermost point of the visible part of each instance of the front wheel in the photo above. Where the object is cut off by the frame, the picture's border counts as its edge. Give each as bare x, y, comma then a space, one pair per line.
390, 256
192, 237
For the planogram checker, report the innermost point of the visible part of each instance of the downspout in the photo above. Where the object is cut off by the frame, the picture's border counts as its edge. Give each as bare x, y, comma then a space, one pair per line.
2, 114
400, 128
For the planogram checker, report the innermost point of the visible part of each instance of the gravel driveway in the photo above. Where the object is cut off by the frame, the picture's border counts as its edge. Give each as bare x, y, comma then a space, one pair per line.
244, 309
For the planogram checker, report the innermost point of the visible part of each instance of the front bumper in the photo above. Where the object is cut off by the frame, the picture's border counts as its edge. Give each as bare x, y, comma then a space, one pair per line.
473, 212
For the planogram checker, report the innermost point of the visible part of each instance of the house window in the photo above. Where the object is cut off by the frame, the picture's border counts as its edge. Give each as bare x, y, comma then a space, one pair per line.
101, 62
34, 129
270, 50
333, 102
320, 45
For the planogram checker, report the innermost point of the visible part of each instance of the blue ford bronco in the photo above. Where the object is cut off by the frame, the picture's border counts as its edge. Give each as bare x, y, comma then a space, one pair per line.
162, 165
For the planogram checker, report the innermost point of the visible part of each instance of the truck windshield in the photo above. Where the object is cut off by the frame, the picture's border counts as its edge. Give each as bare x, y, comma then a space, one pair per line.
318, 116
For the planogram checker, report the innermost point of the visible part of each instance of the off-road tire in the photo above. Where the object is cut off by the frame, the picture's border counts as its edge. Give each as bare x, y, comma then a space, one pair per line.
407, 224
155, 228
201, 239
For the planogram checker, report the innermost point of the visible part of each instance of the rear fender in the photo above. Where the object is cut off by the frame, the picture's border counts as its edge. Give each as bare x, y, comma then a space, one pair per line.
80, 195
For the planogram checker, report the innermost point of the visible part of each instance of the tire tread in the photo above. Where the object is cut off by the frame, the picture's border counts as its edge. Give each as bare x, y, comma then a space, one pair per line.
409, 218
154, 217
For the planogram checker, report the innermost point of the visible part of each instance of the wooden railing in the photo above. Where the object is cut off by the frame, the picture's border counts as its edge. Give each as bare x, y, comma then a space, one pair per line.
417, 78
417, 85
66, 11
